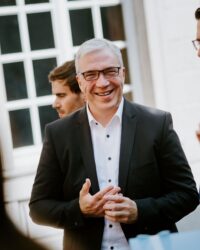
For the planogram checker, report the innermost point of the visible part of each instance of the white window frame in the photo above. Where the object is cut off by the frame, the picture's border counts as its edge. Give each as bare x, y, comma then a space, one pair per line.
23, 160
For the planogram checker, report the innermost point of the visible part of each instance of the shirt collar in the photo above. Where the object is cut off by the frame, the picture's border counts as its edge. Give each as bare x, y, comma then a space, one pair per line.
118, 113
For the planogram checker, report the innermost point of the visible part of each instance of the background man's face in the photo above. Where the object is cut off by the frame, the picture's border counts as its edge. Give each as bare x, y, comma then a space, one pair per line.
66, 101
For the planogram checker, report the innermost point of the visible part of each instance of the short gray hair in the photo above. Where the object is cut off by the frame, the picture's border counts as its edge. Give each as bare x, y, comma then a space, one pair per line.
94, 45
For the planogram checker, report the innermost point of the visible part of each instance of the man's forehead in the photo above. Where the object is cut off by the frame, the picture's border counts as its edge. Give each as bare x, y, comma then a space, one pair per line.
98, 59
60, 84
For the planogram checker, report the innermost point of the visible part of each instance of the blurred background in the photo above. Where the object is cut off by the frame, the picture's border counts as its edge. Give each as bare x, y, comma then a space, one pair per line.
163, 71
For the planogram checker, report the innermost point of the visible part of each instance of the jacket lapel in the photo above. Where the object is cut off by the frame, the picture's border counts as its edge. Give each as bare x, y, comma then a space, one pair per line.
85, 143
129, 122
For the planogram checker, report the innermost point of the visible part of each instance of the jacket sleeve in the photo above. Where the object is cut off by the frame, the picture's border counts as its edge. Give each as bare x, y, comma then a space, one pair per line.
179, 195
47, 205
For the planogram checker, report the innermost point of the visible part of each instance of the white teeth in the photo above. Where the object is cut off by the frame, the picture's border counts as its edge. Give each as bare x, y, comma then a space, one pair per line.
104, 94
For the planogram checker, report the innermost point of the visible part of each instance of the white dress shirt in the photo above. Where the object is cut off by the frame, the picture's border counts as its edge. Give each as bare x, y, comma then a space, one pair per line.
106, 145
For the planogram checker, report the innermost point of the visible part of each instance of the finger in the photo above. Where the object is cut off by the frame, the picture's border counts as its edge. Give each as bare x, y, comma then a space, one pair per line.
113, 206
114, 191
116, 213
115, 219
101, 194
115, 198
116, 216
86, 187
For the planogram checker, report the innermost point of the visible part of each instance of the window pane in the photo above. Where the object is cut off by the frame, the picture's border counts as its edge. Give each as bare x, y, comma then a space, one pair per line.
36, 1
112, 23
9, 34
82, 25
15, 81
7, 2
41, 70
21, 128
47, 114
40, 30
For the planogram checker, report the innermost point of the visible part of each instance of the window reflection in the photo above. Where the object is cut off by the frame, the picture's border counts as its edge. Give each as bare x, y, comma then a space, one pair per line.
112, 23
15, 81
7, 3
40, 31
9, 34
41, 69
47, 114
21, 128
81, 25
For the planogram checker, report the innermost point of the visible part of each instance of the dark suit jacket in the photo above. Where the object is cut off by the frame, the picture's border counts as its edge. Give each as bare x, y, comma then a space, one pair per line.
153, 171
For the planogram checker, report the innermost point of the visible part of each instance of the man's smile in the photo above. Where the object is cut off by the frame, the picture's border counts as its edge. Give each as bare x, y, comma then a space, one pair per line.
106, 93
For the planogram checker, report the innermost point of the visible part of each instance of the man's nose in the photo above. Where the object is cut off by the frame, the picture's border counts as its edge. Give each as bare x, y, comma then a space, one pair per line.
102, 81
56, 103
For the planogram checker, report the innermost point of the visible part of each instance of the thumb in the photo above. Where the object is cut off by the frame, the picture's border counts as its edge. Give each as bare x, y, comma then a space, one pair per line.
85, 188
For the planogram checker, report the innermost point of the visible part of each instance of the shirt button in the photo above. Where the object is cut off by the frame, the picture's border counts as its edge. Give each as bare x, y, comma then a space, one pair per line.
96, 123
107, 136
109, 180
109, 158
111, 247
110, 226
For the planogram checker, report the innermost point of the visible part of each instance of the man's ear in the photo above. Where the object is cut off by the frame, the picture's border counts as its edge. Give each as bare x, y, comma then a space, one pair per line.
79, 83
124, 72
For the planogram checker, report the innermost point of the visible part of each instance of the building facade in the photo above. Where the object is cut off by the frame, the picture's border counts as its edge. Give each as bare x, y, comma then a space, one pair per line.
36, 35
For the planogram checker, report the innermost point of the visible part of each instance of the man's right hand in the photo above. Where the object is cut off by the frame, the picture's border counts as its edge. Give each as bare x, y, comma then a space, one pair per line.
92, 205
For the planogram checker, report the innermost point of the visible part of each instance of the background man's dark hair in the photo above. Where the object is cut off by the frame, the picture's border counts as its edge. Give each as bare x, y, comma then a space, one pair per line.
197, 14
66, 72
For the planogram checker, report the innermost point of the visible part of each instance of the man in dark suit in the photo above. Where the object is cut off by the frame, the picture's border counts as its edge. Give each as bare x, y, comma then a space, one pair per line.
196, 44
113, 169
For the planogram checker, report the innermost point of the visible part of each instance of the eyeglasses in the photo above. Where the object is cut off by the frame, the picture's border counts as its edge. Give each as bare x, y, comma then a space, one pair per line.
94, 74
196, 44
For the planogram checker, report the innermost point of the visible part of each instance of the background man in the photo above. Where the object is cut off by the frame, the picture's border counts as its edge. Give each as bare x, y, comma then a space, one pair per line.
68, 96
197, 47
113, 169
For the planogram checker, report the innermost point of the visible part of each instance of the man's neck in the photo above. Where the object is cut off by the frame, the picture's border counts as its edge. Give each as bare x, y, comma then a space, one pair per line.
105, 116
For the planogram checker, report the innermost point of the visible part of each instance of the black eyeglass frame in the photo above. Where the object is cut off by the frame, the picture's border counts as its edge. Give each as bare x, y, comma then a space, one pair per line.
196, 44
101, 71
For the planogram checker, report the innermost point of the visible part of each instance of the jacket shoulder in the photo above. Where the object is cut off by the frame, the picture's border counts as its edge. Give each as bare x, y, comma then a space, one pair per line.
67, 123
142, 110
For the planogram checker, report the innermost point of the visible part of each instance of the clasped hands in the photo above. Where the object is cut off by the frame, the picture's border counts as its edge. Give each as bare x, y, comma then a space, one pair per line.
108, 203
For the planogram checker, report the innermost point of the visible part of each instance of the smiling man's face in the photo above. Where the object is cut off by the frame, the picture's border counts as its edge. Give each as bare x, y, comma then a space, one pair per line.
103, 95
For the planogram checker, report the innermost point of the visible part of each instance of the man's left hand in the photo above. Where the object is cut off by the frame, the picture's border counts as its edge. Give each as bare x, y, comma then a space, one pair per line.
120, 209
